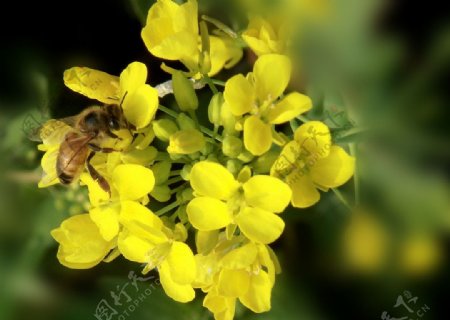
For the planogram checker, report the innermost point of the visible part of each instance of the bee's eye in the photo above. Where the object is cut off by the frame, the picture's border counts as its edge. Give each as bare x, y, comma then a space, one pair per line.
91, 121
113, 124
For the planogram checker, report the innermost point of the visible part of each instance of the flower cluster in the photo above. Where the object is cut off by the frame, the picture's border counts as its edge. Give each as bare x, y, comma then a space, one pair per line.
224, 183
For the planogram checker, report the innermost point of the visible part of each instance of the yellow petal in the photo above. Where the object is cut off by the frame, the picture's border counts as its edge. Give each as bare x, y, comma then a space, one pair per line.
257, 297
212, 180
139, 107
233, 283
97, 195
48, 163
107, 220
239, 94
181, 263
314, 139
225, 52
178, 292
260, 225
205, 241
268, 193
257, 136
289, 107
304, 193
142, 222
81, 244
288, 161
134, 248
334, 170
133, 77
240, 258
133, 181
222, 307
272, 73
207, 214
93, 84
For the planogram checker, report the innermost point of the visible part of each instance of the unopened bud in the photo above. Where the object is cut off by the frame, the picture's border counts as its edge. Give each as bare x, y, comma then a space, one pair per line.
184, 92
164, 128
232, 146
186, 142
215, 105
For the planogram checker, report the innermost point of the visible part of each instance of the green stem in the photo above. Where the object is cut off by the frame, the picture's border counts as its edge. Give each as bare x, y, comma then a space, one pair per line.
174, 180
303, 118
175, 173
341, 198
356, 174
210, 83
218, 82
178, 188
168, 208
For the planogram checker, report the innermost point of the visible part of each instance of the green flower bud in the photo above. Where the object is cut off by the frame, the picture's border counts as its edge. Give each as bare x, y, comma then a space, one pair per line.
245, 156
143, 157
185, 122
161, 193
161, 171
232, 146
214, 108
186, 171
234, 166
184, 92
164, 128
227, 119
186, 142
244, 174
262, 164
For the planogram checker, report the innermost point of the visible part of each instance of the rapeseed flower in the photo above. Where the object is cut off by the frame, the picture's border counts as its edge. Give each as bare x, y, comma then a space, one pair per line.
310, 162
257, 98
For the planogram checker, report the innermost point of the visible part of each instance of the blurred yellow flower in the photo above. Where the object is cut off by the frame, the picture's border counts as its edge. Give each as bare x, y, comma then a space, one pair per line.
420, 254
81, 245
365, 243
310, 161
221, 201
264, 37
257, 98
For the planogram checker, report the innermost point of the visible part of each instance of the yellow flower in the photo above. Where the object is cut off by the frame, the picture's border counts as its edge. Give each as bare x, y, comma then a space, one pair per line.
139, 100
145, 239
264, 37
310, 161
236, 270
81, 245
172, 33
257, 97
129, 182
221, 201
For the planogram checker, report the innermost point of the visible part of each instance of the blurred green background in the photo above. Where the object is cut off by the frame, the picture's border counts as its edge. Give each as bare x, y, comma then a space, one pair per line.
378, 76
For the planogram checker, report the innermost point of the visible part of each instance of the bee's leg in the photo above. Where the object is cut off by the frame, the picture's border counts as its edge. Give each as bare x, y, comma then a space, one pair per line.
97, 176
96, 148
112, 135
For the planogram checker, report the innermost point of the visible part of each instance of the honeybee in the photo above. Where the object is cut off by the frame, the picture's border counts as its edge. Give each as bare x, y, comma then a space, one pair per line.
83, 140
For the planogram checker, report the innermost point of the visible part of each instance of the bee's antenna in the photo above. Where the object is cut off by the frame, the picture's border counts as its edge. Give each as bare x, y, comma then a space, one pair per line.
121, 109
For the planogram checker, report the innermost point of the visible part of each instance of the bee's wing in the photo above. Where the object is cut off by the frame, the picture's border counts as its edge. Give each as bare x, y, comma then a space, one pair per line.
52, 131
